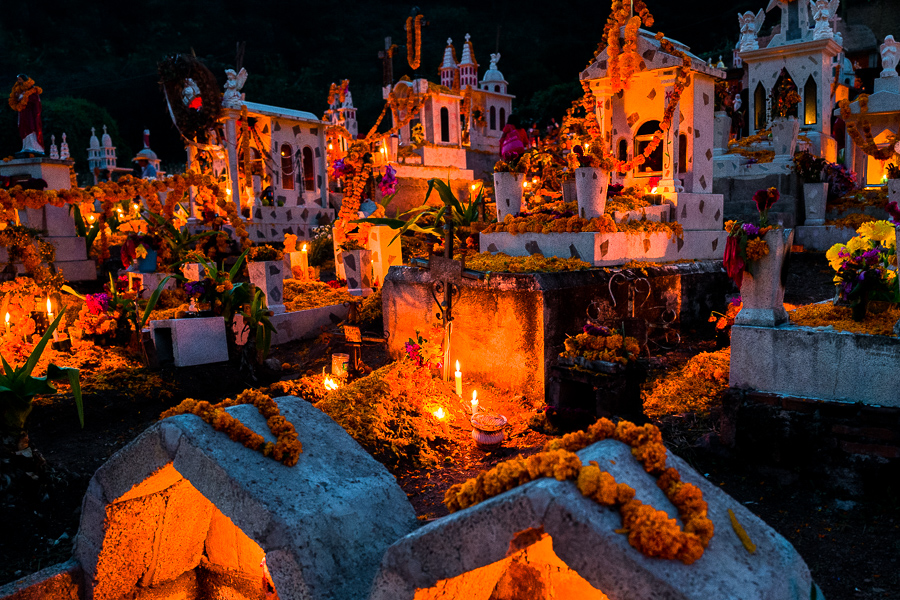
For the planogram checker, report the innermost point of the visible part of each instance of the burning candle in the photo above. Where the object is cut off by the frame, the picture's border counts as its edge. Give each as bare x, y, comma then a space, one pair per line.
50, 320
474, 401
304, 263
458, 380
7, 323
439, 413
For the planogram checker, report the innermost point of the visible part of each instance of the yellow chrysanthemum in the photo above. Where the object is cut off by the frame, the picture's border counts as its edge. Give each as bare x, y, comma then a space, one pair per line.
858, 244
878, 231
832, 255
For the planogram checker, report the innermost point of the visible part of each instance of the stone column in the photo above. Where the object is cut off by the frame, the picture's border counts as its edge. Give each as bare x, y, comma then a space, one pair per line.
231, 147
667, 184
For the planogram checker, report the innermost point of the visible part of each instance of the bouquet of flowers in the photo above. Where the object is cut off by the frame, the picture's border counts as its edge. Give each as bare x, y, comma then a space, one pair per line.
866, 267
601, 343
745, 242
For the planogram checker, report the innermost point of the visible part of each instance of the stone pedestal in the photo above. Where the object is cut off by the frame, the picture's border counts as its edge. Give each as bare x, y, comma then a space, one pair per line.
52, 170
357, 266
763, 289
508, 193
784, 138
721, 133
590, 185
189, 342
268, 276
814, 198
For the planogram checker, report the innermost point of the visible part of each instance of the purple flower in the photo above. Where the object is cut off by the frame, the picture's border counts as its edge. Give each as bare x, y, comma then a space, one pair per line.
338, 168
750, 229
412, 351
195, 288
595, 330
97, 303
388, 181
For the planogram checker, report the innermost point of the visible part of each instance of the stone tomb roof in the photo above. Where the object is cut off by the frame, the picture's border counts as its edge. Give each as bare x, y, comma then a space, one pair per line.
654, 58
428, 563
155, 510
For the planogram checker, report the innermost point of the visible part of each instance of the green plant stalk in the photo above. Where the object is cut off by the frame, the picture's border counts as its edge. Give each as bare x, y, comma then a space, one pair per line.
18, 387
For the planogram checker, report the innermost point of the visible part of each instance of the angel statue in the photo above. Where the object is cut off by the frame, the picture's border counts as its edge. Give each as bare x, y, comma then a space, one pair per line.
823, 11
190, 95
232, 98
890, 54
750, 25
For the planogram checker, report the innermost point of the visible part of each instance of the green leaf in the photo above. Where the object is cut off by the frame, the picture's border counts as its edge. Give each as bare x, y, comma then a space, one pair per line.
151, 304
39, 349
67, 289
59, 373
79, 222
237, 265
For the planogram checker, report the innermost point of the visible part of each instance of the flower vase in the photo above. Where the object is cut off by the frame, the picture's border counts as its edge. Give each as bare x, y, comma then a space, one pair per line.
358, 271
148, 263
590, 190
762, 291
814, 200
508, 193
859, 305
268, 276
721, 132
784, 138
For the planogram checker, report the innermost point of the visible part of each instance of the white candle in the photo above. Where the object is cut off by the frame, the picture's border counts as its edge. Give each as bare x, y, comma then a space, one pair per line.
304, 264
474, 401
458, 380
50, 321
7, 323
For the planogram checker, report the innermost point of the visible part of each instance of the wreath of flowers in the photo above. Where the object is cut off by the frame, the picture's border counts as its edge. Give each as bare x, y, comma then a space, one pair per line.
649, 530
25, 89
864, 140
414, 47
192, 123
285, 450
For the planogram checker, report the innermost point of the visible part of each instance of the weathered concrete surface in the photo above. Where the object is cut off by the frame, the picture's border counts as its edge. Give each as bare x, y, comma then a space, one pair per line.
584, 537
508, 329
814, 363
821, 238
150, 513
62, 581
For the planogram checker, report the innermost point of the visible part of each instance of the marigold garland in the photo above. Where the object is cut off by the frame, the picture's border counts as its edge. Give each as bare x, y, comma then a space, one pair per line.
414, 47
650, 531
285, 450
25, 89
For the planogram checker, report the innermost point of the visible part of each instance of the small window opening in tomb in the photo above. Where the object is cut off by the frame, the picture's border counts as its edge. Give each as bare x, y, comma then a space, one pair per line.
810, 102
502, 118
785, 99
287, 167
682, 153
653, 164
496, 88
412, 125
759, 107
622, 154
309, 170
445, 124
256, 162
167, 540
532, 571
493, 118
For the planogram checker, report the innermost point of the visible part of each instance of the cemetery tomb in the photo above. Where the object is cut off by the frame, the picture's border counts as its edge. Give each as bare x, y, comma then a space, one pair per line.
185, 512
545, 537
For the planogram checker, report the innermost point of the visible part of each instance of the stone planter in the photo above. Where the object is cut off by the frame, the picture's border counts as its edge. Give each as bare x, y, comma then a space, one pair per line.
784, 138
590, 186
763, 289
488, 430
893, 190
268, 275
358, 271
193, 271
814, 199
296, 265
508, 193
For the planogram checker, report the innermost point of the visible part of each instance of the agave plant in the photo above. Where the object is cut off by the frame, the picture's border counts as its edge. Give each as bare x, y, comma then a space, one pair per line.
462, 215
18, 388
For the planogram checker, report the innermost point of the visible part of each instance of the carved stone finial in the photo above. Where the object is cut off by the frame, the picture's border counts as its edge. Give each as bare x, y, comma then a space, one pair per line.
890, 55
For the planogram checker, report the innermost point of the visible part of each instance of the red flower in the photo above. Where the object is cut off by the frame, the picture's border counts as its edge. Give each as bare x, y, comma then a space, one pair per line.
734, 264
765, 199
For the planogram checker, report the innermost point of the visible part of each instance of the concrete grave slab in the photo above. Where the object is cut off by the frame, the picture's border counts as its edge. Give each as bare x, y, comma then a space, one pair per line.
821, 238
183, 503
296, 325
189, 342
451, 552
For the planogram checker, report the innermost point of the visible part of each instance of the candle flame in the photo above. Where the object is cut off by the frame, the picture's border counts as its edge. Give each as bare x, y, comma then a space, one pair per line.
7, 318
653, 190
457, 365
49, 309
303, 249
330, 384
439, 413
474, 395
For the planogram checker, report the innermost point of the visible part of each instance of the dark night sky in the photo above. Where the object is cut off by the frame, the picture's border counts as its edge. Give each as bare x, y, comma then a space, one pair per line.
106, 51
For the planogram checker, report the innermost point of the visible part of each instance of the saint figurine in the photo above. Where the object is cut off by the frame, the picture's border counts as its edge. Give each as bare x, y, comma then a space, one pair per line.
890, 55
25, 99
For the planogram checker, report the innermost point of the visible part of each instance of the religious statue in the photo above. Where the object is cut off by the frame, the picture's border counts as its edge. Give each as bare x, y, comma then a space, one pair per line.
750, 25
232, 97
348, 99
890, 54
25, 99
823, 11
190, 94
494, 59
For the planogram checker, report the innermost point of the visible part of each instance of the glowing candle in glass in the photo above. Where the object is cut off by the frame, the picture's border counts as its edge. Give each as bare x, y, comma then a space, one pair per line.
458, 380
304, 263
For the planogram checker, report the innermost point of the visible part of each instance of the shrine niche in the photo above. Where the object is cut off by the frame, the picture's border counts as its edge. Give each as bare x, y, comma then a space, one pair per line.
796, 58
631, 117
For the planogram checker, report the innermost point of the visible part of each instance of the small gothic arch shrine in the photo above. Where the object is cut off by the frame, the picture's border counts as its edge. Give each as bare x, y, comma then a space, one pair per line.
653, 166
287, 167
810, 102
785, 98
759, 108
309, 170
